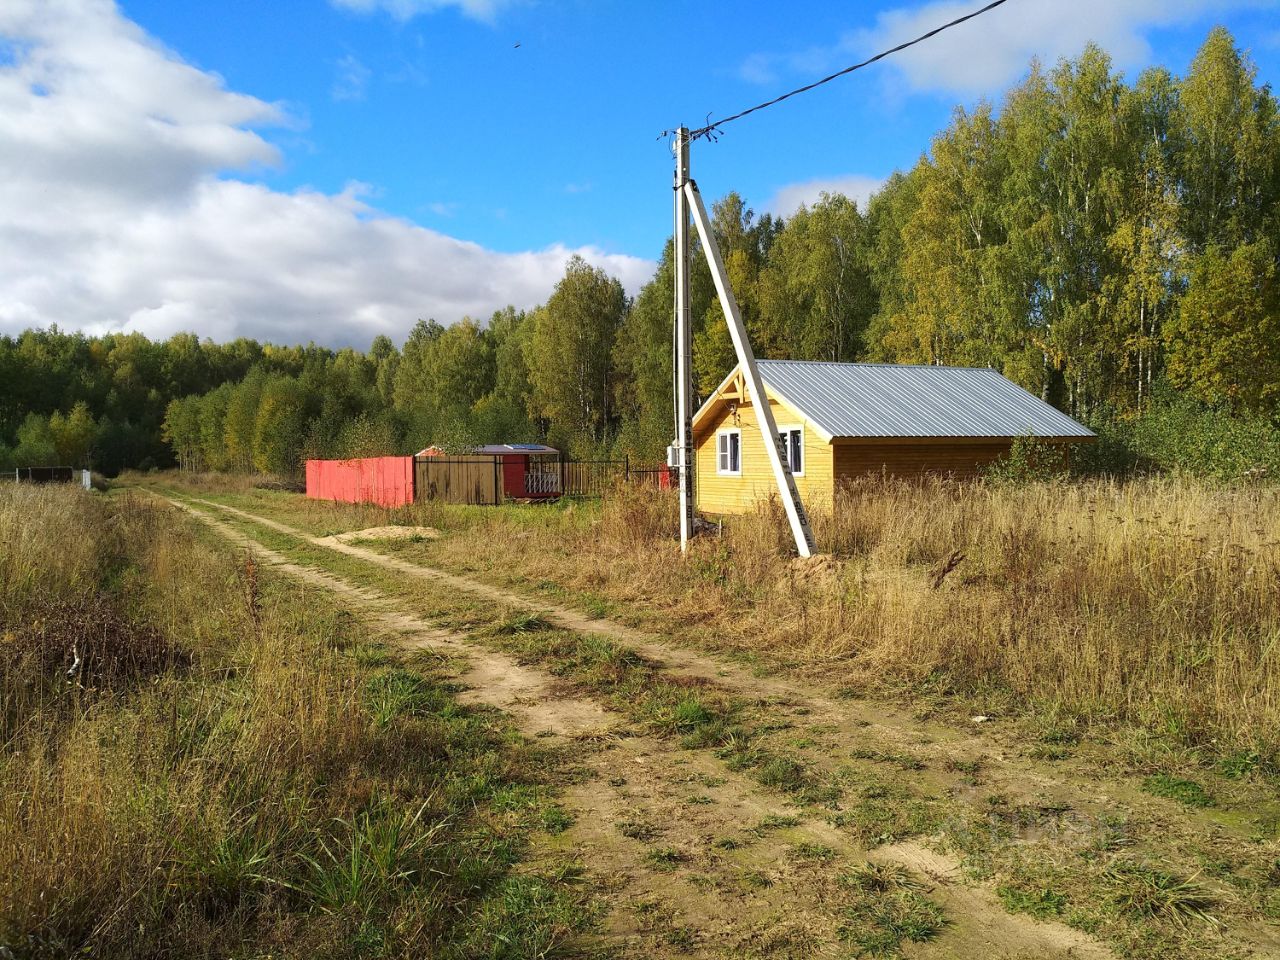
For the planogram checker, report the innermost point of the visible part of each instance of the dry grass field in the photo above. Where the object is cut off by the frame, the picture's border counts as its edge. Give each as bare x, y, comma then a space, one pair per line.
198, 759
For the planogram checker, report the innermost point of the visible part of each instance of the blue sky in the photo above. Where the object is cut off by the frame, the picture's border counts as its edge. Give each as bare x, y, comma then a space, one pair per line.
555, 140
336, 168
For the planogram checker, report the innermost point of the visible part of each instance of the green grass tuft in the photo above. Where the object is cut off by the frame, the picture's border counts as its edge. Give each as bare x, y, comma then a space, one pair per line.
1043, 904
1146, 892
1187, 792
664, 858
523, 623
878, 924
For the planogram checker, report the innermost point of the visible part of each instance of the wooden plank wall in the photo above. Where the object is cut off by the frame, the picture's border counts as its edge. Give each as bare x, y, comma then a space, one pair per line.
912, 459
718, 494
465, 479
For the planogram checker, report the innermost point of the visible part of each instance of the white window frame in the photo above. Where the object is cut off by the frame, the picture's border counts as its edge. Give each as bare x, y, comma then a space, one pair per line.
785, 430
724, 452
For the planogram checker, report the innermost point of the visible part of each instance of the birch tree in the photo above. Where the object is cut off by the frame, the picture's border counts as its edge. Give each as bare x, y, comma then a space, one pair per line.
569, 353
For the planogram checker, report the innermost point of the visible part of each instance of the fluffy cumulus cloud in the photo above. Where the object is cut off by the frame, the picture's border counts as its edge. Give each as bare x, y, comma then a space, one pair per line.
982, 56
788, 199
119, 208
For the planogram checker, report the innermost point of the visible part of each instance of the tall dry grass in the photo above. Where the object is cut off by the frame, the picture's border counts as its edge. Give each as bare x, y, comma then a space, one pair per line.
1155, 602
196, 761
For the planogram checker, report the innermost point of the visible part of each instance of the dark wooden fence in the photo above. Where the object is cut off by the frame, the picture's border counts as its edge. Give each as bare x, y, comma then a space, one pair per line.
590, 478
595, 478
476, 479
480, 479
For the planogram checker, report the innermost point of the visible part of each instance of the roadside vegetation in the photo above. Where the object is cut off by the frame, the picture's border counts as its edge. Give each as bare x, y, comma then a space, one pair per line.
1151, 603
198, 760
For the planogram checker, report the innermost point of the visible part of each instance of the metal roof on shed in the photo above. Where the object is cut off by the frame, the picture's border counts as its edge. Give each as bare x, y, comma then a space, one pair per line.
892, 400
491, 449
516, 448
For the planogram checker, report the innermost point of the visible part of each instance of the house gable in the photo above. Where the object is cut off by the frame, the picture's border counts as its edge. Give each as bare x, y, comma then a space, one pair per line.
720, 492
733, 392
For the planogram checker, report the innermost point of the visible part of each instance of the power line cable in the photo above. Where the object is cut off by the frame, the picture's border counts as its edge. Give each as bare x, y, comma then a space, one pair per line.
709, 131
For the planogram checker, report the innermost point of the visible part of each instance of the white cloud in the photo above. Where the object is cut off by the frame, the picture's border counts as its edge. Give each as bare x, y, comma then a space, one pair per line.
984, 55
759, 68
789, 198
351, 80
117, 210
408, 9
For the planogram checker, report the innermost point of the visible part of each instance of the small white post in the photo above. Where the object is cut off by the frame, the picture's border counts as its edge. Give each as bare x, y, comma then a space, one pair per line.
796, 515
683, 342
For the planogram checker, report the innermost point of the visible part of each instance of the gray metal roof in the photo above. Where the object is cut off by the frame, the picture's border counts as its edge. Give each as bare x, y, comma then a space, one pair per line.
892, 400
515, 448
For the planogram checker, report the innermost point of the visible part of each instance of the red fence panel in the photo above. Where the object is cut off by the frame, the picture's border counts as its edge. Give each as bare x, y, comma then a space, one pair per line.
386, 481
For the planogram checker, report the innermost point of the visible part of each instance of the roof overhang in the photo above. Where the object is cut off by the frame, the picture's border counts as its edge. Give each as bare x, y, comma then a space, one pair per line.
733, 388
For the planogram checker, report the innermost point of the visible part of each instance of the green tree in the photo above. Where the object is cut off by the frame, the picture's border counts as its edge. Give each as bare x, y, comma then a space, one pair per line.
240, 423
569, 353
279, 427
442, 373
889, 211
368, 436
643, 359
35, 447
181, 431
1229, 147
213, 417
815, 293
1147, 245
501, 416
951, 303
1224, 345
74, 435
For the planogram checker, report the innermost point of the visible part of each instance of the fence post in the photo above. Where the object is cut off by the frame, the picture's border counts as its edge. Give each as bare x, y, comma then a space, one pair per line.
497, 479
626, 467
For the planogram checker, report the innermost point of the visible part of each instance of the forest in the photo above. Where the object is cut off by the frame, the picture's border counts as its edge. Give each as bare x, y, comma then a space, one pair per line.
1111, 245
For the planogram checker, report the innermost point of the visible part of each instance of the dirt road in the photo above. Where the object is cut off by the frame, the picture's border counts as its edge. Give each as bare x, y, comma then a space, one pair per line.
696, 855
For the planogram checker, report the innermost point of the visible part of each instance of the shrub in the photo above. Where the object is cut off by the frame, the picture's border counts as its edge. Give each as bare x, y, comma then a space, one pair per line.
1175, 434
1030, 460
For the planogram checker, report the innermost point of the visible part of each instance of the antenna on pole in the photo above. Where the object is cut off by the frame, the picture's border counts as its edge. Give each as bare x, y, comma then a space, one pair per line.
688, 199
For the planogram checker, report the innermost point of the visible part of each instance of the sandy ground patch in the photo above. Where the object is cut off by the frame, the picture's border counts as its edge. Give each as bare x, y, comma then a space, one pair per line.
381, 533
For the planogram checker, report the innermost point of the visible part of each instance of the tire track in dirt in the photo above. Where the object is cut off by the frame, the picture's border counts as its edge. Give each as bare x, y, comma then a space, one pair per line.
680, 843
783, 693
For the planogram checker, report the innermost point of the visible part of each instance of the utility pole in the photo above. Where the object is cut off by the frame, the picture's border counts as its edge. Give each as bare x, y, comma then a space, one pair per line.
683, 342
689, 200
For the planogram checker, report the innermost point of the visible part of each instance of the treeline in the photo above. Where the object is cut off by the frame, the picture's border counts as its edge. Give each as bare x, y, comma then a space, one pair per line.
1093, 237
521, 376
1111, 246
77, 400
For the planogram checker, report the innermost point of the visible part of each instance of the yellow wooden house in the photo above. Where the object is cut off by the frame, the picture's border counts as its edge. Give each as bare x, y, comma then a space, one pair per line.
843, 420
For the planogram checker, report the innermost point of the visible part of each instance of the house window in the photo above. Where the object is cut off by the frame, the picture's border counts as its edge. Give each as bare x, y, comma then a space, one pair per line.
791, 446
729, 453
